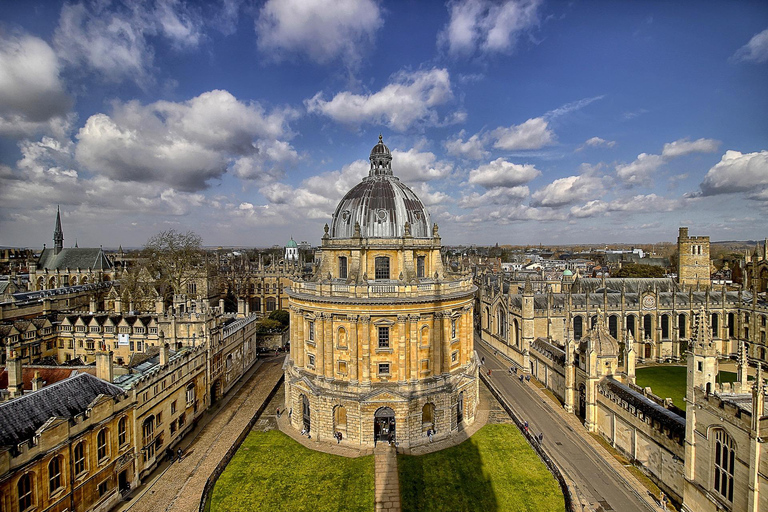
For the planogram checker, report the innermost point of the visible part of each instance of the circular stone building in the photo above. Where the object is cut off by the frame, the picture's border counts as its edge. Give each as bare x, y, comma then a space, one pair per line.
381, 336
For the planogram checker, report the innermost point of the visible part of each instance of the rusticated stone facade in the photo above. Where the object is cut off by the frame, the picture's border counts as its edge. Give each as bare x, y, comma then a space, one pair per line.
381, 336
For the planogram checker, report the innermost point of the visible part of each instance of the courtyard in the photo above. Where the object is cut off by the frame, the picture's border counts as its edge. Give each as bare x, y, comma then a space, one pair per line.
670, 381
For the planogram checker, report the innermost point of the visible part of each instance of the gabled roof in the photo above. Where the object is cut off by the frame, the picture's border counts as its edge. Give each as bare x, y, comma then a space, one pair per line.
74, 258
21, 417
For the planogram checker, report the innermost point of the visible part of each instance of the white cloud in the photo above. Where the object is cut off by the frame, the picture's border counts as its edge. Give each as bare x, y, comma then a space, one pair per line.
756, 50
487, 27
640, 171
635, 204
32, 95
410, 98
598, 142
532, 134
685, 147
184, 144
112, 38
572, 107
737, 172
417, 166
473, 148
500, 173
429, 196
499, 195
322, 29
568, 190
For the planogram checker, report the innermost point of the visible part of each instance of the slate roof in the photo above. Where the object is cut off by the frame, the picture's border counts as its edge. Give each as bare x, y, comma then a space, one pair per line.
74, 258
49, 375
631, 284
669, 419
21, 417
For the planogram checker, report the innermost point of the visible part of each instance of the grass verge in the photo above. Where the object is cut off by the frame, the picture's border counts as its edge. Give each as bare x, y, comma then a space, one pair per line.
272, 472
494, 471
670, 381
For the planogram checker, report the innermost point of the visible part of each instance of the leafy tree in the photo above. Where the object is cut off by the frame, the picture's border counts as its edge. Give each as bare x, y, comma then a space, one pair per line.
639, 270
175, 259
266, 325
281, 316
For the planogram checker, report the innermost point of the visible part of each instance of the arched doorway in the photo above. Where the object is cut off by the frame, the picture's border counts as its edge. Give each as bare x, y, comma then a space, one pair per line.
384, 425
460, 409
305, 413
428, 417
340, 420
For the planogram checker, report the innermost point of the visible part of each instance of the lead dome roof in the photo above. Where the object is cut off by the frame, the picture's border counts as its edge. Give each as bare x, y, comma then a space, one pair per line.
381, 204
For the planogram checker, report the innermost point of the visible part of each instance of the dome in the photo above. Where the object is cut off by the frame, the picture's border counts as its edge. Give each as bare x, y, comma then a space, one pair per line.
567, 273
291, 244
381, 204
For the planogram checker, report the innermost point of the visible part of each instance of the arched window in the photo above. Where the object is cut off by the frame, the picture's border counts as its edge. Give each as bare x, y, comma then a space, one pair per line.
631, 325
25, 492
578, 328
428, 416
725, 453
54, 475
340, 419
229, 362
715, 325
665, 327
420, 272
681, 332
271, 304
341, 338
613, 326
122, 431
79, 458
425, 335
342, 267
148, 441
101, 444
647, 327
381, 267
501, 323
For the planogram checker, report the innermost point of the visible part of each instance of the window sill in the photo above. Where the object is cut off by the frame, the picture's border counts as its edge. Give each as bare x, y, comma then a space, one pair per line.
384, 350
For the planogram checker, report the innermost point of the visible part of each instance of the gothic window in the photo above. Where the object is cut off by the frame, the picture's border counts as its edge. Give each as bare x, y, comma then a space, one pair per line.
191, 288
664, 327
383, 337
420, 266
79, 458
647, 326
724, 458
25, 492
715, 325
122, 431
101, 444
502, 323
54, 474
271, 304
578, 328
342, 267
382, 267
681, 326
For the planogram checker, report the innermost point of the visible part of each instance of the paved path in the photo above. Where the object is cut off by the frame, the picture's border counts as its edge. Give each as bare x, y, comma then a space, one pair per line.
386, 481
179, 487
599, 477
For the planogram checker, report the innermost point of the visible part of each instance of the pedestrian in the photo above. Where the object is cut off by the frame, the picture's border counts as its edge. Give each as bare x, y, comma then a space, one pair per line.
663, 500
179, 453
482, 360
290, 413
528, 378
526, 426
431, 435
521, 378
541, 437
278, 412
489, 372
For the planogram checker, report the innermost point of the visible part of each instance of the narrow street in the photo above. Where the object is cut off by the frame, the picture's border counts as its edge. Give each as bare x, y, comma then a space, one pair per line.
595, 476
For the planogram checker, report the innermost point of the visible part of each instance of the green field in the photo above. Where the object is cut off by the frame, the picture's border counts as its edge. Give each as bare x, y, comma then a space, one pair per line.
493, 471
670, 381
272, 472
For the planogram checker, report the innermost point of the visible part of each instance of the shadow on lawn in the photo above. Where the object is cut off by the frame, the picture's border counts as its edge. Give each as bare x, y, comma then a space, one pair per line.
451, 480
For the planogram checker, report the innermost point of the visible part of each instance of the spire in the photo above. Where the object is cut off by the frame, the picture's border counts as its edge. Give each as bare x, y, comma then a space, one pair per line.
58, 234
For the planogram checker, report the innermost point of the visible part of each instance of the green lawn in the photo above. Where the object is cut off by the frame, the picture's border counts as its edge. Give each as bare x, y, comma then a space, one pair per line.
272, 472
493, 471
670, 381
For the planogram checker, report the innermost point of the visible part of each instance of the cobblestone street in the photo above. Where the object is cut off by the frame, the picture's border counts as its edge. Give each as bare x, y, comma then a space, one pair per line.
179, 486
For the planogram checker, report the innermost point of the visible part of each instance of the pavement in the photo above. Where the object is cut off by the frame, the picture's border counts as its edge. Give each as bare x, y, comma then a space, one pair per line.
387, 483
602, 483
178, 486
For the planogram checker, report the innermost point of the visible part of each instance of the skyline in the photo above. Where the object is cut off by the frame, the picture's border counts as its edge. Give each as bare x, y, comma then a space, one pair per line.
521, 122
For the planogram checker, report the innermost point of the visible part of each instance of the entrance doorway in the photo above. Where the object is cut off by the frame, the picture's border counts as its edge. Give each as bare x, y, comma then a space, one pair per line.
460, 409
384, 425
122, 482
305, 412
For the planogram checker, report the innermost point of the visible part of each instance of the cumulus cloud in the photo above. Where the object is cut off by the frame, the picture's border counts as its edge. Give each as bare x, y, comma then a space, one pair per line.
499, 195
323, 30
411, 98
532, 134
487, 27
501, 173
635, 204
568, 190
737, 172
756, 50
32, 95
112, 39
473, 148
183, 144
596, 142
418, 166
685, 147
640, 171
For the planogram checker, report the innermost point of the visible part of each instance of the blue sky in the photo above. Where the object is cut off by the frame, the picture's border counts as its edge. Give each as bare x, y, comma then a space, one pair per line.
517, 122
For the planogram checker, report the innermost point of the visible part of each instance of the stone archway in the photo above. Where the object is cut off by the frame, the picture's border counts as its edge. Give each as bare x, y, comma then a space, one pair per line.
307, 423
384, 424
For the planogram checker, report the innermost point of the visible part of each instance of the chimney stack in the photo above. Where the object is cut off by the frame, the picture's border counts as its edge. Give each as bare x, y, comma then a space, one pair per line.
104, 368
15, 378
37, 382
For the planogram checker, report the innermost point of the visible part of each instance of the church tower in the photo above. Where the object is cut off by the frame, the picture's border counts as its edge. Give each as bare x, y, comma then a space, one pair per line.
692, 259
58, 234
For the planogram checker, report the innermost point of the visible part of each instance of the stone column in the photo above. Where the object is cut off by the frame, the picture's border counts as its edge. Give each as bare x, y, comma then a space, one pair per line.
446, 341
466, 333
319, 345
365, 321
414, 344
301, 348
436, 345
328, 342
401, 349
353, 350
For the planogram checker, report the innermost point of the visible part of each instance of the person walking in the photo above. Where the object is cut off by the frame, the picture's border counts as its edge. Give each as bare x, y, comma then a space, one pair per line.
179, 453
482, 360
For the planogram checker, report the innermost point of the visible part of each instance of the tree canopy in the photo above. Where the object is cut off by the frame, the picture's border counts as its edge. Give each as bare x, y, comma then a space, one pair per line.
281, 316
640, 270
175, 259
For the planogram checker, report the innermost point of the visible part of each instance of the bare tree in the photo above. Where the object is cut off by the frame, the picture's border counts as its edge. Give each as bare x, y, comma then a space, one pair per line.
175, 259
